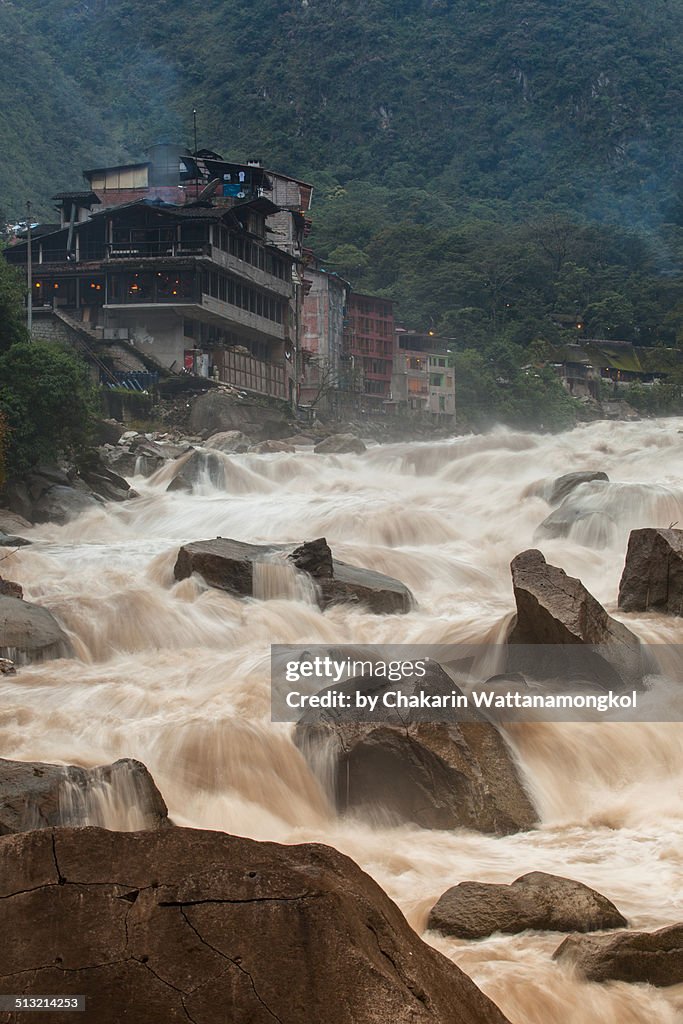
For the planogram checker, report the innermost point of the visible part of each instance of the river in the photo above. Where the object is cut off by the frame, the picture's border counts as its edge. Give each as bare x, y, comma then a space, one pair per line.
177, 675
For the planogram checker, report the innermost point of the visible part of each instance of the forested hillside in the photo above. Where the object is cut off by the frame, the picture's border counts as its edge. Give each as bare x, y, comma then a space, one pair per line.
488, 165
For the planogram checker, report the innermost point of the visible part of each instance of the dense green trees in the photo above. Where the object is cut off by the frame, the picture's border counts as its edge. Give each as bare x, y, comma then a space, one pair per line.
47, 405
12, 314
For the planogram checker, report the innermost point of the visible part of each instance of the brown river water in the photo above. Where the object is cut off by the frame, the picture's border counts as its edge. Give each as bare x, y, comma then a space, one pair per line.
178, 675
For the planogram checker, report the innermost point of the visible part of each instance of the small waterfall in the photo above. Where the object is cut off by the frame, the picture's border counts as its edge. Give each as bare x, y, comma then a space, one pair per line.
275, 577
120, 797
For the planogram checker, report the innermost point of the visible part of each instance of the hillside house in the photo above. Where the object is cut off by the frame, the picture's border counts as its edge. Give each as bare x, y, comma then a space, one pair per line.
189, 258
423, 379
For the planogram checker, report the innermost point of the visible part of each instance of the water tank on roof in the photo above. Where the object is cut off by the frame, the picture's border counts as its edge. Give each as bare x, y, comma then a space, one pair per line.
164, 159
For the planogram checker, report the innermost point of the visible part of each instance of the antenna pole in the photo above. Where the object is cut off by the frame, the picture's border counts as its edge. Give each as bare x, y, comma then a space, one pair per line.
29, 274
194, 121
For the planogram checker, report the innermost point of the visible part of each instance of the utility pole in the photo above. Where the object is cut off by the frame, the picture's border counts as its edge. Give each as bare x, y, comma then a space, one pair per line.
29, 274
194, 121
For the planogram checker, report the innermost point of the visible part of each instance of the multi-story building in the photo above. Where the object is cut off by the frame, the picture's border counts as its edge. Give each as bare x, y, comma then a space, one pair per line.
322, 365
369, 349
423, 379
175, 255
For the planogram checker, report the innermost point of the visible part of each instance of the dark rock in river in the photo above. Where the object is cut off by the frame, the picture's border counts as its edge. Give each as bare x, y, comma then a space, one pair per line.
12, 541
182, 925
579, 506
50, 494
218, 412
415, 765
230, 442
36, 795
41, 499
62, 504
543, 902
315, 558
100, 478
10, 589
556, 609
267, 447
11, 523
652, 579
651, 958
30, 633
565, 484
340, 444
229, 565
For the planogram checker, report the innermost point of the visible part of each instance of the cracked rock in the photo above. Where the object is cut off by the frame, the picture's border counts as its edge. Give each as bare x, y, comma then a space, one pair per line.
220, 929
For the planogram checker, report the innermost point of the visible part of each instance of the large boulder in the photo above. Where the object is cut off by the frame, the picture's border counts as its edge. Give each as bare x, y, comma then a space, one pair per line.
8, 588
543, 902
582, 509
652, 579
58, 504
229, 565
230, 442
141, 456
563, 485
187, 925
30, 633
11, 523
595, 527
556, 609
47, 494
102, 480
269, 447
12, 541
649, 958
413, 764
36, 795
218, 411
340, 444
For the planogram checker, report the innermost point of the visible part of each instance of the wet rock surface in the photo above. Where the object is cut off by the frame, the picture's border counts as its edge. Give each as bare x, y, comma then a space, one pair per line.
405, 766
229, 565
103, 481
10, 589
184, 925
565, 484
36, 795
556, 609
268, 447
652, 579
340, 444
652, 958
229, 442
30, 633
218, 411
540, 901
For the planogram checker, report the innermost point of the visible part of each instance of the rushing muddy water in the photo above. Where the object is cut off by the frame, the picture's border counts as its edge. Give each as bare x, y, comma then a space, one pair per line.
178, 675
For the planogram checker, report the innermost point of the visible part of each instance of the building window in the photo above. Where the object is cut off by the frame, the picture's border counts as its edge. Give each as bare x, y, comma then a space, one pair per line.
139, 287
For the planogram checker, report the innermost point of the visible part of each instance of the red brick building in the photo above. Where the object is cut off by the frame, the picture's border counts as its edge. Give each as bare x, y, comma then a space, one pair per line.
369, 348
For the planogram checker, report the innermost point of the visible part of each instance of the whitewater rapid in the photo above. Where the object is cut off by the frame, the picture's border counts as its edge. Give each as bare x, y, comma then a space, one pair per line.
178, 675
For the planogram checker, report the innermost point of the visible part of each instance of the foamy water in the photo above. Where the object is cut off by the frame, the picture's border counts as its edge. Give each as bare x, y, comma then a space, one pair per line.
177, 674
